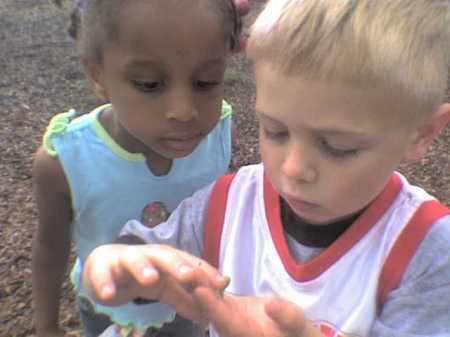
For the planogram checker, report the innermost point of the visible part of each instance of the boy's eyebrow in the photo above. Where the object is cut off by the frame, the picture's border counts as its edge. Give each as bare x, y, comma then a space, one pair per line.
327, 130
266, 116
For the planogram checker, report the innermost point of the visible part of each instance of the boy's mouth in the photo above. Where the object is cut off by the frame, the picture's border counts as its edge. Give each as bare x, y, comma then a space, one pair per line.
300, 205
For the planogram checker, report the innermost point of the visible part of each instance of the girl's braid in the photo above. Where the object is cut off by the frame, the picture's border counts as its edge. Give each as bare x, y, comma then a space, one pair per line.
75, 22
237, 25
75, 17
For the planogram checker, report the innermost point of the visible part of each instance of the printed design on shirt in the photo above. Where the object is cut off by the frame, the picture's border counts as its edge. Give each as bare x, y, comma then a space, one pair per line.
154, 213
329, 330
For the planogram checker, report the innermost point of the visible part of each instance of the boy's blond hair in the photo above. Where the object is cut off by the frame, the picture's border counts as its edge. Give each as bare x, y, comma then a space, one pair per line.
391, 43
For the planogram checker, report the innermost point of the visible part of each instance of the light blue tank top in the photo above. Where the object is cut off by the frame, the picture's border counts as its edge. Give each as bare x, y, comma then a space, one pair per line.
110, 186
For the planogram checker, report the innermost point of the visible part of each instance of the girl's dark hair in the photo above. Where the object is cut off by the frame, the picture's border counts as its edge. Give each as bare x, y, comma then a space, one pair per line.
93, 22
75, 23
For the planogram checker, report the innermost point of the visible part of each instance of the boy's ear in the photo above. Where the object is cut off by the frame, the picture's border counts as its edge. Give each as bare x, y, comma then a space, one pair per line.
427, 132
95, 76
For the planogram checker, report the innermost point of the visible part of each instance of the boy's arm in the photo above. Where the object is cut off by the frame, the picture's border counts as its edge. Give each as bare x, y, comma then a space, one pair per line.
420, 306
115, 274
235, 316
51, 244
184, 229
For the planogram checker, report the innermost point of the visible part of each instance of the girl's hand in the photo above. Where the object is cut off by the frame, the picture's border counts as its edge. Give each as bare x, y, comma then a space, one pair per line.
235, 316
116, 274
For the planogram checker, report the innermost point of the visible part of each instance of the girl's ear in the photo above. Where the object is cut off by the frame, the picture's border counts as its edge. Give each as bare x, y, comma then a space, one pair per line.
427, 132
94, 74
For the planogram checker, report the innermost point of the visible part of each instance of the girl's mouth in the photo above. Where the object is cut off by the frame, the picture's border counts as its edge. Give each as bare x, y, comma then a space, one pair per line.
182, 143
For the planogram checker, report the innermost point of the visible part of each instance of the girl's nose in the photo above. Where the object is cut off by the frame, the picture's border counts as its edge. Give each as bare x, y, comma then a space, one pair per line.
181, 107
299, 164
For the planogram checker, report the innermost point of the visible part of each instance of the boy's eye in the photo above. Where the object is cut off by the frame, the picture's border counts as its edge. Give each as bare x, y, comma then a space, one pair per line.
204, 85
275, 135
336, 152
148, 86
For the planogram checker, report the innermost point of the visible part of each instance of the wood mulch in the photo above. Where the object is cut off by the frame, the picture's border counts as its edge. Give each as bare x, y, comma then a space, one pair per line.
40, 76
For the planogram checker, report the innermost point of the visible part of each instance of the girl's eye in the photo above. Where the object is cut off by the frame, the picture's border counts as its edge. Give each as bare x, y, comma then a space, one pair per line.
335, 152
205, 85
148, 86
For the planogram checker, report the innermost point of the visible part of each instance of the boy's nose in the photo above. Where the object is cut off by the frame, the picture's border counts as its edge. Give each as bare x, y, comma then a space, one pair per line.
299, 165
181, 107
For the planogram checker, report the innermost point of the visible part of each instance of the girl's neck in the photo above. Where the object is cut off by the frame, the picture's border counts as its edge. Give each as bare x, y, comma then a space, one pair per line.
157, 164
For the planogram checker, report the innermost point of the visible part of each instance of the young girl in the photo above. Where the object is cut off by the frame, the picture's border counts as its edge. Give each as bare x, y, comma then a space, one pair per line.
164, 134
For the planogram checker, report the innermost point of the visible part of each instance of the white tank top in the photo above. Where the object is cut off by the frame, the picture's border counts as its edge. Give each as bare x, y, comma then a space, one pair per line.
342, 289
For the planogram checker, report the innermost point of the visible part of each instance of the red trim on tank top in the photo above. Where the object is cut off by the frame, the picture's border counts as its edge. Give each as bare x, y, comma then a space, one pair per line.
406, 245
215, 219
314, 268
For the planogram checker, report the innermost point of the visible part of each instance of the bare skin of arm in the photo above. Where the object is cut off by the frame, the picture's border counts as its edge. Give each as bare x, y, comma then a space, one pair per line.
254, 316
51, 244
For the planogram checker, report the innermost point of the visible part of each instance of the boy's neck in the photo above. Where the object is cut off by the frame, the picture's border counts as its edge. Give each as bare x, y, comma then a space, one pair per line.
313, 235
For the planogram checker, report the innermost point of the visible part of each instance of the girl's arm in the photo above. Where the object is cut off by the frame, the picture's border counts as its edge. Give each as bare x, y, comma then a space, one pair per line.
51, 244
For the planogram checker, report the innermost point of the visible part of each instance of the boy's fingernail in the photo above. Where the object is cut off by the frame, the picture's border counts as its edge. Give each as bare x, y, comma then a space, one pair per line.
107, 290
148, 272
221, 278
184, 269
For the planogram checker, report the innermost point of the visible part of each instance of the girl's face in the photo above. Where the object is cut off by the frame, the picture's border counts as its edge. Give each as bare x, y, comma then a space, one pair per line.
164, 76
329, 149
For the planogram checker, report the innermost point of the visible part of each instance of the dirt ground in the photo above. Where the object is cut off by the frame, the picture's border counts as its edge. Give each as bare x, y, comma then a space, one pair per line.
39, 76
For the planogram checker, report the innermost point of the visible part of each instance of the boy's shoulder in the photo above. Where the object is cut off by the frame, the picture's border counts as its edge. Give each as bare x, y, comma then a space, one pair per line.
253, 173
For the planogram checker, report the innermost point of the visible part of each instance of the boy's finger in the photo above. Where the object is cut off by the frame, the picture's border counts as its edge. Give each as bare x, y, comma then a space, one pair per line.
181, 299
290, 318
183, 266
209, 275
285, 313
138, 266
99, 280
212, 306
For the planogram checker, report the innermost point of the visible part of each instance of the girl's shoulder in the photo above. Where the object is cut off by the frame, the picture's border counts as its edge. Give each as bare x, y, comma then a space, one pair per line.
67, 123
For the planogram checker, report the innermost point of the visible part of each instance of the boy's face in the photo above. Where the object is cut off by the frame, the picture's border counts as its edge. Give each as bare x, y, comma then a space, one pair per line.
328, 149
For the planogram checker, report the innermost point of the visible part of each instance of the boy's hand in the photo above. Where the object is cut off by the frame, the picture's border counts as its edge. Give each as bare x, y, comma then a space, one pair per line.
254, 316
116, 274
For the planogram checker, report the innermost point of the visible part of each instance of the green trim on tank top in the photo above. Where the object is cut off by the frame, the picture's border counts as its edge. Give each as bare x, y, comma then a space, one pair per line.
59, 123
112, 144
